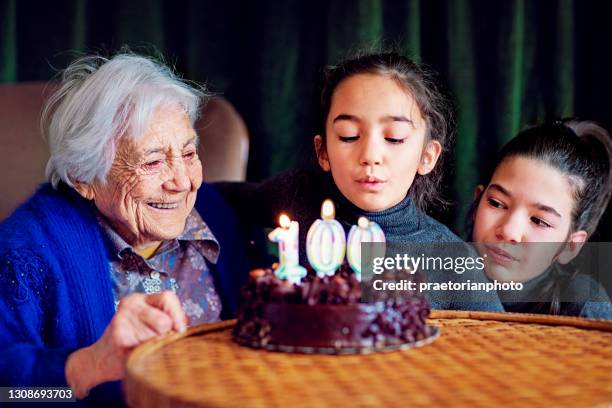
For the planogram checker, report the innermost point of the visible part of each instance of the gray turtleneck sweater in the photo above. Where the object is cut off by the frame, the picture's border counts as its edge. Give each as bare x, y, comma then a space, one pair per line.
578, 295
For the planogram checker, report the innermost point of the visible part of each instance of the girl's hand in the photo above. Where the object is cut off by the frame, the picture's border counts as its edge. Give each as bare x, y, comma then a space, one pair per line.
139, 318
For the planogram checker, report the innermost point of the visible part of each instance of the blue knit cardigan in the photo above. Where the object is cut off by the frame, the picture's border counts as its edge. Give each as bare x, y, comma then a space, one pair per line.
55, 288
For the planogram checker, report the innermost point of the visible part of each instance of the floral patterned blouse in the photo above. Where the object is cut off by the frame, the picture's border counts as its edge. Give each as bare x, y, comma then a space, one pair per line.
179, 265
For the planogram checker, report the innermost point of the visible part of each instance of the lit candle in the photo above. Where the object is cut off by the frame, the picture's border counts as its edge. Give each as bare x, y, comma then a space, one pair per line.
364, 231
326, 242
287, 236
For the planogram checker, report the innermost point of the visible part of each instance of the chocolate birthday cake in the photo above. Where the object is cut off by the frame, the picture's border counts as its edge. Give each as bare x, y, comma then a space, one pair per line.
325, 315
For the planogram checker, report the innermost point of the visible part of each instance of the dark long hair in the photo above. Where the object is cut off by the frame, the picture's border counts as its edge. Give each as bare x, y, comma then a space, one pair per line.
420, 84
582, 151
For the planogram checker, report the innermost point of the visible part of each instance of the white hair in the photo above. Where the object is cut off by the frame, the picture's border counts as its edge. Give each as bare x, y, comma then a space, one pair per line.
99, 101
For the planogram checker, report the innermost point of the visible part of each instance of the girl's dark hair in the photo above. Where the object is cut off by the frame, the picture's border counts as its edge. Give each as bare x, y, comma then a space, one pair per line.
582, 151
419, 83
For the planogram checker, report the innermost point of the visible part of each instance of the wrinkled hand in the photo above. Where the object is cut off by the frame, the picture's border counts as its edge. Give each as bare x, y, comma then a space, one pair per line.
139, 318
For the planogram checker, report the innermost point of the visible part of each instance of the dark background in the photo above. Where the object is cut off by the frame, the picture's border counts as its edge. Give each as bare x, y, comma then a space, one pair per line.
506, 64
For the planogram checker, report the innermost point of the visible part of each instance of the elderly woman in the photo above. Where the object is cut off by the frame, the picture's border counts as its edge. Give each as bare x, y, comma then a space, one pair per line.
112, 251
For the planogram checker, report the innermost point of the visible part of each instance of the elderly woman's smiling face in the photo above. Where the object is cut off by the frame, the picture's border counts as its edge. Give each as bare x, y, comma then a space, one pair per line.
153, 182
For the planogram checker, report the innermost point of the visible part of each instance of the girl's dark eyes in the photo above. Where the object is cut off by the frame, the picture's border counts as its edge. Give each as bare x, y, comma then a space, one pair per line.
348, 139
537, 221
495, 204
540, 222
392, 140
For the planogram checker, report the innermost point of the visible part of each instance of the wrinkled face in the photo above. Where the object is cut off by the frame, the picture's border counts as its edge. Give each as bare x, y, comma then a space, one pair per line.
153, 182
375, 142
523, 219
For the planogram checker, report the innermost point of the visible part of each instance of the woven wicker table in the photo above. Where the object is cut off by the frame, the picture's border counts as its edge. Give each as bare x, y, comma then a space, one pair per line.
480, 359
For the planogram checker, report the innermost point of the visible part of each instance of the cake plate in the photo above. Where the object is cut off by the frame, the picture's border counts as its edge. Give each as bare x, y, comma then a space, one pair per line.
433, 333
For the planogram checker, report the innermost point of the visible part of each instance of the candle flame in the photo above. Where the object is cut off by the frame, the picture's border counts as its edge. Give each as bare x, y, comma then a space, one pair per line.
328, 211
284, 221
363, 222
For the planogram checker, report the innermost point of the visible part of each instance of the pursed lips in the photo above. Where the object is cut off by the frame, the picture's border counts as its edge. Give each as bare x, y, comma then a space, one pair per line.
371, 183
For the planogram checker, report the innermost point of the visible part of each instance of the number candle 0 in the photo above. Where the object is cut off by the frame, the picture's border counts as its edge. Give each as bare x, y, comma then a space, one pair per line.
326, 242
364, 231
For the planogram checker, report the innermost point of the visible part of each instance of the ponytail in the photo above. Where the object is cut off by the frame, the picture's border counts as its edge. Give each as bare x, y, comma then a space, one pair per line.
594, 197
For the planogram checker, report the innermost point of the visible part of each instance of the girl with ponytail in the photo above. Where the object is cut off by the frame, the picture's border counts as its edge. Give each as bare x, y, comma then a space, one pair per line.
543, 201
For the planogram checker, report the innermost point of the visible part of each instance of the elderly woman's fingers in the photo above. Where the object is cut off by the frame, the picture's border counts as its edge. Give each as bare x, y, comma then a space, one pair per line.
127, 330
140, 317
171, 305
149, 321
135, 324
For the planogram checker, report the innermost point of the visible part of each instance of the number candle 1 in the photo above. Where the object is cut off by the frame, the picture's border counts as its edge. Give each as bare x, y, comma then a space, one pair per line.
364, 231
326, 242
287, 236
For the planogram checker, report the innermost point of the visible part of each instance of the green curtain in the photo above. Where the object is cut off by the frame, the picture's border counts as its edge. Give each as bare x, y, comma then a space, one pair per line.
8, 45
506, 64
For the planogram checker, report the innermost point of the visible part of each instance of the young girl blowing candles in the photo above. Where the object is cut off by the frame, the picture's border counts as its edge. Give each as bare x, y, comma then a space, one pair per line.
383, 133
